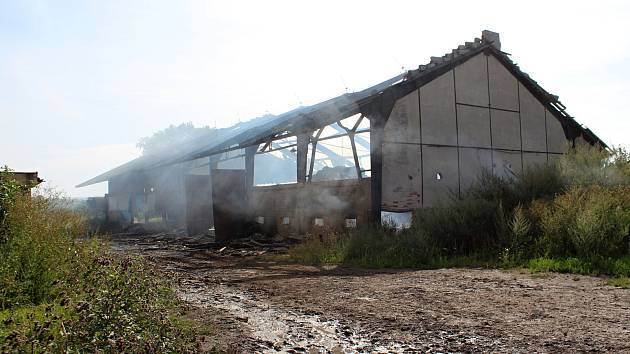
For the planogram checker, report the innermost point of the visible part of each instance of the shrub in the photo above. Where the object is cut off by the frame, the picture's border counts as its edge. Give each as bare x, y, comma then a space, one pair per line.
576, 211
36, 250
328, 247
587, 222
463, 227
9, 191
61, 294
386, 248
587, 165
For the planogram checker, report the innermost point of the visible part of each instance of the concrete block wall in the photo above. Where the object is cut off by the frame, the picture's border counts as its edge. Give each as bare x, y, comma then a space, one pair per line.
291, 209
439, 138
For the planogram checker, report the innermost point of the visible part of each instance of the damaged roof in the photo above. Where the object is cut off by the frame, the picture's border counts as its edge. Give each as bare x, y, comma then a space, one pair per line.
308, 118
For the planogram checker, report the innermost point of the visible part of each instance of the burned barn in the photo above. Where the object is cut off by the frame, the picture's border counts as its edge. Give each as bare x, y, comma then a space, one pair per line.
410, 142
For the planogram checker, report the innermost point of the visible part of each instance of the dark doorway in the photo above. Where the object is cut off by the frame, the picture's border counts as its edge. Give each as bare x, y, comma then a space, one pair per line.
229, 195
198, 204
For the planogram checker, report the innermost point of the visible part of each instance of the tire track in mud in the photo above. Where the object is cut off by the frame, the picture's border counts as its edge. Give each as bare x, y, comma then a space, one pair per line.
274, 329
264, 304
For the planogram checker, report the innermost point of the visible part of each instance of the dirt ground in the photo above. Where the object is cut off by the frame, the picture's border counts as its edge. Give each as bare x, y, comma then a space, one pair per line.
256, 302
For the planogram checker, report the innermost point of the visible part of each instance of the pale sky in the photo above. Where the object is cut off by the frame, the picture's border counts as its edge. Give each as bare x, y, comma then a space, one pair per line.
82, 81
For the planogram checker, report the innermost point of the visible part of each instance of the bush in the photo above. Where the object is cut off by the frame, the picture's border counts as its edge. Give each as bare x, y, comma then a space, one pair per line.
587, 165
587, 222
37, 250
9, 191
116, 307
570, 216
386, 248
61, 294
464, 227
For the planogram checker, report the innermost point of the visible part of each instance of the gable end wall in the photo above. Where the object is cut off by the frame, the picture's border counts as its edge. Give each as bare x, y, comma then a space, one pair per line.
476, 116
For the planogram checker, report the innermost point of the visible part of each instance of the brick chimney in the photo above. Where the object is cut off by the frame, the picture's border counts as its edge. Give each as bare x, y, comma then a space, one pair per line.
489, 36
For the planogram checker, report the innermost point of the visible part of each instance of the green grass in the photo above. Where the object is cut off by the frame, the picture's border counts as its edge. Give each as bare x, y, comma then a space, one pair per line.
623, 282
58, 294
617, 267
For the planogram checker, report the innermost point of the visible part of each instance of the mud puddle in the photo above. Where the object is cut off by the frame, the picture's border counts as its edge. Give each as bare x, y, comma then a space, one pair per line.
278, 330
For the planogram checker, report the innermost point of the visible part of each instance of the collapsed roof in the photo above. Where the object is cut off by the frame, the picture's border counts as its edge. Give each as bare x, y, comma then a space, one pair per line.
305, 119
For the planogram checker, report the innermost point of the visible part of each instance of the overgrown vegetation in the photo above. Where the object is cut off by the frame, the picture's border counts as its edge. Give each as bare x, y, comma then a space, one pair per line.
58, 294
571, 216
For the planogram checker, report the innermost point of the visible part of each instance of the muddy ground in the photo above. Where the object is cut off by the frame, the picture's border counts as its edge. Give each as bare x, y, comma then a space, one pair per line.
257, 302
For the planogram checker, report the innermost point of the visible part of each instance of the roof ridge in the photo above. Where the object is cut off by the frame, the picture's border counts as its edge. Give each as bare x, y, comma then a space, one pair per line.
487, 39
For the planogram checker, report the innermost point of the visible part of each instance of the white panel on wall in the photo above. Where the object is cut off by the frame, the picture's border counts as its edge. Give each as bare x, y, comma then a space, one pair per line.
440, 175
472, 162
403, 124
506, 164
503, 86
556, 140
532, 121
437, 111
506, 130
402, 179
473, 126
471, 81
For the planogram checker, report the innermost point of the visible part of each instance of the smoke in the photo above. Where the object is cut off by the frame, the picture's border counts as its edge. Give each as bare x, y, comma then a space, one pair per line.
325, 198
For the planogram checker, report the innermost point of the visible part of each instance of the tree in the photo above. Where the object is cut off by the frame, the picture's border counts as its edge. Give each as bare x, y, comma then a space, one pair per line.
171, 137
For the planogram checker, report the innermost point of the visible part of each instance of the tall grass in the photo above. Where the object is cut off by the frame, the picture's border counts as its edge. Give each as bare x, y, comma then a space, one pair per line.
37, 250
62, 294
574, 215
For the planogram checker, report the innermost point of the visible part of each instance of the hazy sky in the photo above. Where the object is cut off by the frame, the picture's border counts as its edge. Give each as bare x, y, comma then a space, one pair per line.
81, 81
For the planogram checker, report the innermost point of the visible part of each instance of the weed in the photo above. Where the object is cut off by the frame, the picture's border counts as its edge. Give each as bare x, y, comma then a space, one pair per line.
623, 282
59, 294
